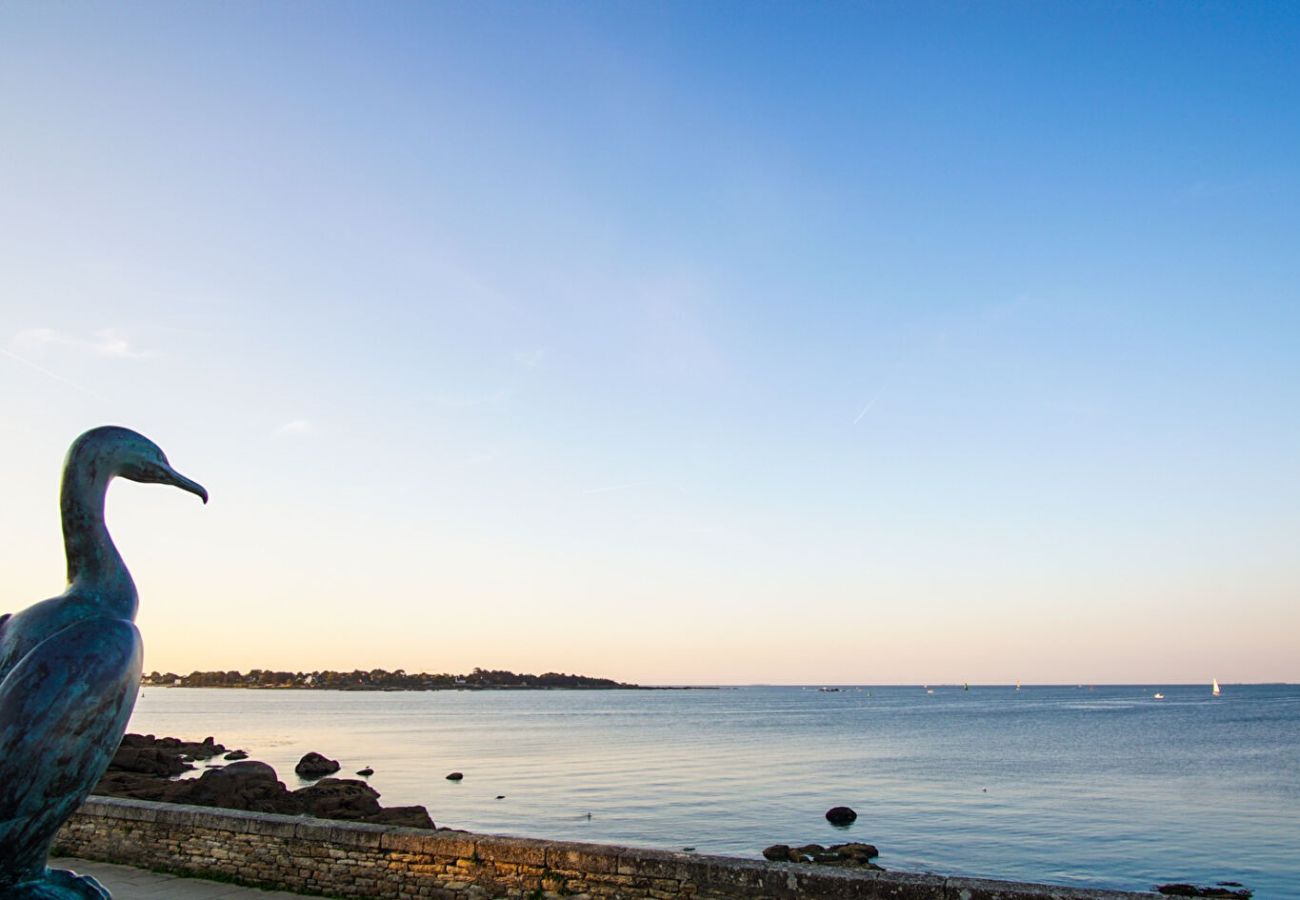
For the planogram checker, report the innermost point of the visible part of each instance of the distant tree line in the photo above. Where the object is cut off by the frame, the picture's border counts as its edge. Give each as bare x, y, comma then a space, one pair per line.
380, 680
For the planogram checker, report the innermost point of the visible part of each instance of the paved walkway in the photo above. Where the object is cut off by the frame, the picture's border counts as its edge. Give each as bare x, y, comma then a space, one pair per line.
127, 883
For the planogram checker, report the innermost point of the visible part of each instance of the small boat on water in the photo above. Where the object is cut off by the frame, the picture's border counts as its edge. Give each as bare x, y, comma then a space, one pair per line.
1214, 689
1158, 696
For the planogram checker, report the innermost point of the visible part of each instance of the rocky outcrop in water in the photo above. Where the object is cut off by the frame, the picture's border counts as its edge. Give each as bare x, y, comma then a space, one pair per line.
167, 756
855, 856
149, 764
315, 765
841, 815
1231, 889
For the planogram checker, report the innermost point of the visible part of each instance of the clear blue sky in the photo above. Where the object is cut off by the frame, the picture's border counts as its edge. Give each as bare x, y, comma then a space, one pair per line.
675, 342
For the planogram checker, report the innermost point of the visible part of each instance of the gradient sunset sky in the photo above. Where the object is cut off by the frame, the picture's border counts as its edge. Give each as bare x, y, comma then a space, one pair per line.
670, 342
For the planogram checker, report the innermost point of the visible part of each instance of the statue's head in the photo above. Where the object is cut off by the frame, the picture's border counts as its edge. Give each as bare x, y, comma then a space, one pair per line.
112, 450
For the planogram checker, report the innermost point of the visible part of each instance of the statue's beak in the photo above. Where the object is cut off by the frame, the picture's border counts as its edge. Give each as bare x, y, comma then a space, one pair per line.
170, 476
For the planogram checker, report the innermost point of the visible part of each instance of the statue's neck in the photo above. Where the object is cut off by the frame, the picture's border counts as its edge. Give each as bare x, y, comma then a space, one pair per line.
93, 562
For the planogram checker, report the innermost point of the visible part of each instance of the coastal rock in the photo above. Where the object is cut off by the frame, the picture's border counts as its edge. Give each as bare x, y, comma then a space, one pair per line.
132, 785
366, 772
1230, 889
455, 776
841, 815
205, 749
235, 755
244, 784
856, 852
247, 785
149, 761
356, 801
854, 856
314, 765
339, 798
164, 757
405, 816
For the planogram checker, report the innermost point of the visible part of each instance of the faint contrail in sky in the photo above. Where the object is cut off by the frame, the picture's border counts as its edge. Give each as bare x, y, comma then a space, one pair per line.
870, 403
44, 371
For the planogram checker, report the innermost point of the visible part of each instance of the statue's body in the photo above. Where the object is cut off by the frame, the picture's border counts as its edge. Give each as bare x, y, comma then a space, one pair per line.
70, 670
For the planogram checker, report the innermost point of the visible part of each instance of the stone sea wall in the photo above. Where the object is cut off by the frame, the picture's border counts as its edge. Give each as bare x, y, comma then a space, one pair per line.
346, 859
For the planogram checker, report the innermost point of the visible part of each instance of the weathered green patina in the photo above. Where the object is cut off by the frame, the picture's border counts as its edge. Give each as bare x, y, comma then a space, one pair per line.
70, 670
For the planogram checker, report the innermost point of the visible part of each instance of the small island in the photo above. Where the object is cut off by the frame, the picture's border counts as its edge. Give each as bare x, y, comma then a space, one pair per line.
383, 680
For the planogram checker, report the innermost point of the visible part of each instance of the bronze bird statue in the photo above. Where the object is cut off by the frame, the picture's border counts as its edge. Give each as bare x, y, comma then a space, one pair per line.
70, 669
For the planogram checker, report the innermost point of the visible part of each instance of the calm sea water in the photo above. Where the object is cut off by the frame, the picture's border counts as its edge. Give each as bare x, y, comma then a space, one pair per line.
1104, 787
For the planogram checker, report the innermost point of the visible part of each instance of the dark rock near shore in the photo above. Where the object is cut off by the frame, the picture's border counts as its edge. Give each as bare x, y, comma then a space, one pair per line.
148, 755
1230, 889
314, 765
405, 816
132, 785
149, 761
248, 785
339, 798
841, 815
366, 772
855, 856
235, 755
856, 852
245, 784
455, 776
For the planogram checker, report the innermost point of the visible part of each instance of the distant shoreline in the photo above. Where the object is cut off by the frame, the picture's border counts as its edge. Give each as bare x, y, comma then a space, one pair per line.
399, 680
463, 687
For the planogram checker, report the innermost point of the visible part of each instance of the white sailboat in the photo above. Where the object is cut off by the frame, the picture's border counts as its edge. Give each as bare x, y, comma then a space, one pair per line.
1214, 690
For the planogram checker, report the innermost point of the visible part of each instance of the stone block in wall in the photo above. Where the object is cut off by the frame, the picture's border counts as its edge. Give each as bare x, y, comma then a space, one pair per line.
592, 859
337, 834
136, 811
657, 864
520, 851
882, 886
404, 840
453, 845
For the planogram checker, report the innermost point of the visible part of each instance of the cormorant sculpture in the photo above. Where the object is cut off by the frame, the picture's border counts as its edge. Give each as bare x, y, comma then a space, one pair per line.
70, 670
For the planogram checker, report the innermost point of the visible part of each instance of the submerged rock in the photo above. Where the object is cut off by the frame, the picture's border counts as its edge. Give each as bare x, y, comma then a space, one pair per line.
236, 755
